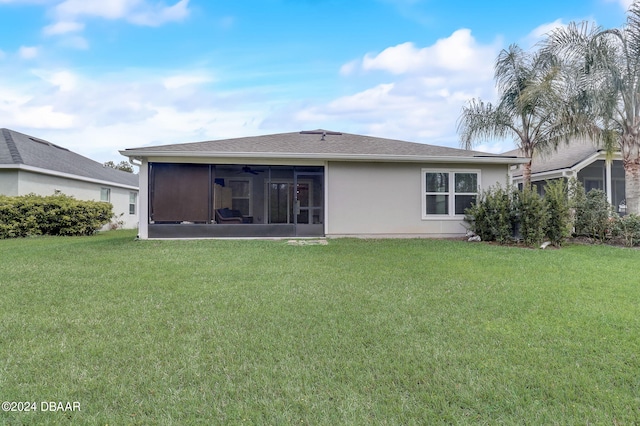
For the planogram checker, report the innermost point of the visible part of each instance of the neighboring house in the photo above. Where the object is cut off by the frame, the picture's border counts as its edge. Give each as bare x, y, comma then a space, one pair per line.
584, 161
308, 184
32, 165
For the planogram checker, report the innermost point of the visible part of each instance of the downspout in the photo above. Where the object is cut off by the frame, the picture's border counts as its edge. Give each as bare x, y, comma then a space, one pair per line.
133, 160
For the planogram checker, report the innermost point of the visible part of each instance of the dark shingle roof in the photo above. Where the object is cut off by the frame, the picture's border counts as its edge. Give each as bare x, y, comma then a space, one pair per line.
308, 143
17, 148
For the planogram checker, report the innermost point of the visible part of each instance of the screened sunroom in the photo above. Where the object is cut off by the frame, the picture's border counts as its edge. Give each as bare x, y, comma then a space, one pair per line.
235, 200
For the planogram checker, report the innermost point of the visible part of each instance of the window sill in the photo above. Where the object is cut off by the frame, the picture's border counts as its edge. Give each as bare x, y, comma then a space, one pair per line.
443, 217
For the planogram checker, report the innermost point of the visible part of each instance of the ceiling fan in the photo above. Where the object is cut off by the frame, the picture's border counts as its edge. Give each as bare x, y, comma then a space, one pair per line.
247, 169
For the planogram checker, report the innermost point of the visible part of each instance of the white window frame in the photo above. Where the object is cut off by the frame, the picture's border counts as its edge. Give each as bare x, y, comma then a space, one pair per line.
134, 203
107, 191
451, 192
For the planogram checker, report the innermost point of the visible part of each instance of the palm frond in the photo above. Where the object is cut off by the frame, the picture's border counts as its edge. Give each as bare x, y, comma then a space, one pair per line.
481, 121
632, 29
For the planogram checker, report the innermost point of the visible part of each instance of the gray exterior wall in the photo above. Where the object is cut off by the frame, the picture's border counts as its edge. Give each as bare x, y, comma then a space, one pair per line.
21, 182
9, 182
378, 199
385, 199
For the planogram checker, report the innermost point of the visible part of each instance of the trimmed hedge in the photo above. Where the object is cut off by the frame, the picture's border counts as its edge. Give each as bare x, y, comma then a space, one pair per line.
59, 214
508, 214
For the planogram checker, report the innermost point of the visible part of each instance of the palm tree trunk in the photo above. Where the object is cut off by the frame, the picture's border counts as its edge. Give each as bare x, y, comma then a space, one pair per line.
632, 185
526, 175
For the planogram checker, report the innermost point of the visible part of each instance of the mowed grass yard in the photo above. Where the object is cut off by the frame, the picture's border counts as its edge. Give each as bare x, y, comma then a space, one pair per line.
354, 332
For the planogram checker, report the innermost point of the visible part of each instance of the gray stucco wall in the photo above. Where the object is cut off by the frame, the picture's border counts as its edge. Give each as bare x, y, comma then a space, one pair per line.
9, 182
381, 199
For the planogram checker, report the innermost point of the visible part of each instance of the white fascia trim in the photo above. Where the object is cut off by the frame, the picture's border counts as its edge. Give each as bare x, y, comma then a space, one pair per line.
600, 155
553, 174
330, 157
569, 171
65, 175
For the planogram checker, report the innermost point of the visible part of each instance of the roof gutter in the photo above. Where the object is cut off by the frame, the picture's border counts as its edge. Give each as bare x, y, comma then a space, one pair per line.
65, 175
139, 154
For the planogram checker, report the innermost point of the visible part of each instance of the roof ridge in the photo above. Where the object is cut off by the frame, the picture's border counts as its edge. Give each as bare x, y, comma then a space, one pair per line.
13, 148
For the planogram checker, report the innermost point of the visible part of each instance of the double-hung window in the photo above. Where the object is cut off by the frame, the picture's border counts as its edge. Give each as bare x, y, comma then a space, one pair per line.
448, 192
105, 194
133, 202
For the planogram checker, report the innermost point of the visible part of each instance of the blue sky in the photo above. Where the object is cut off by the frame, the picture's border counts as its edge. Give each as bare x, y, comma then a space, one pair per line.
97, 76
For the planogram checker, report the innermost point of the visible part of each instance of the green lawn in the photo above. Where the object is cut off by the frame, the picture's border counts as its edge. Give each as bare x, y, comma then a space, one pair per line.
354, 332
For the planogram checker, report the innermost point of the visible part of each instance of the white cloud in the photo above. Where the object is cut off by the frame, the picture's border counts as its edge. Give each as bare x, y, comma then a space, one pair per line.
69, 15
113, 9
350, 67
182, 80
458, 52
18, 110
75, 42
96, 115
410, 92
541, 32
43, 116
27, 1
158, 15
63, 27
139, 12
28, 52
64, 81
68, 30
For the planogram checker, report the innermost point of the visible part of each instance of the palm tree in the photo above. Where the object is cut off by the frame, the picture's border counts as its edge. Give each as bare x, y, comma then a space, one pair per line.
530, 108
608, 70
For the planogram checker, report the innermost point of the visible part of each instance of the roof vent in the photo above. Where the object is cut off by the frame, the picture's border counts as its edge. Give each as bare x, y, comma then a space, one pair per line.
43, 142
324, 133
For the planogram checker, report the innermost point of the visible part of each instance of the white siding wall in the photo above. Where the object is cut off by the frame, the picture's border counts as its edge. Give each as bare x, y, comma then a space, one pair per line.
386, 199
41, 184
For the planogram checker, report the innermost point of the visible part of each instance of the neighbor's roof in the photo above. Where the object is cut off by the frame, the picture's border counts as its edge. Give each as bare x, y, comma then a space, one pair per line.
318, 144
20, 150
564, 157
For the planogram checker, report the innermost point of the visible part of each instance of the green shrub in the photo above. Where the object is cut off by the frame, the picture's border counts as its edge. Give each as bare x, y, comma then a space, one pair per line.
59, 214
504, 214
593, 215
532, 216
560, 221
507, 214
492, 217
627, 228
